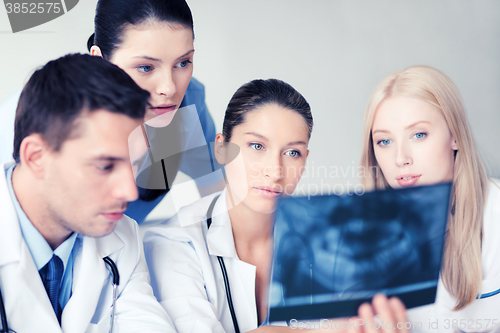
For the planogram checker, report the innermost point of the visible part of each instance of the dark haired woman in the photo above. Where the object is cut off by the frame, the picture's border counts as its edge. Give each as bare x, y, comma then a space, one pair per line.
152, 40
271, 123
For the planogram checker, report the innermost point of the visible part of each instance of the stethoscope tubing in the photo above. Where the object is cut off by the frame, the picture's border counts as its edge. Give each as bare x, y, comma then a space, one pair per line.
224, 272
116, 281
5, 327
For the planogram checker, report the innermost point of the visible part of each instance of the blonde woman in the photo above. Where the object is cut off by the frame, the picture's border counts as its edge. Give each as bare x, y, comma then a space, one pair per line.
416, 132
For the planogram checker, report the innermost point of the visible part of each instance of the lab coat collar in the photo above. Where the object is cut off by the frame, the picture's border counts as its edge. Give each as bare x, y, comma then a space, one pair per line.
220, 240
39, 248
10, 235
90, 272
13, 249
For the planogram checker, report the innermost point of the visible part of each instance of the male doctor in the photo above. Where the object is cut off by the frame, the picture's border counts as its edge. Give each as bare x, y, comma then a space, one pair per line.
62, 204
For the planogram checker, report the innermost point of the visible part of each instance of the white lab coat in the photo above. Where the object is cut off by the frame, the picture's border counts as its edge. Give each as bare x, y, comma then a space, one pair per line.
89, 308
482, 315
186, 276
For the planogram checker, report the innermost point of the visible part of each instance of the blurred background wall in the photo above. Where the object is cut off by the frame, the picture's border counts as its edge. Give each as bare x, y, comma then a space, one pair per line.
333, 52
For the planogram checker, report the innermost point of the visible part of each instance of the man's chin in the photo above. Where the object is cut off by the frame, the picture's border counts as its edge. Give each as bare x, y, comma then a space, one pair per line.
101, 229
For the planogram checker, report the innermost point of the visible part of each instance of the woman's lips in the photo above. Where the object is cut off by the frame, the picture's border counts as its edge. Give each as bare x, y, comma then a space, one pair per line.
268, 192
164, 108
407, 179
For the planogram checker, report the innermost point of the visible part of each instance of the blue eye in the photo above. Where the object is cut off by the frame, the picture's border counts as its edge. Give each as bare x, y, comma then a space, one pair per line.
384, 142
183, 64
293, 153
420, 135
145, 68
257, 146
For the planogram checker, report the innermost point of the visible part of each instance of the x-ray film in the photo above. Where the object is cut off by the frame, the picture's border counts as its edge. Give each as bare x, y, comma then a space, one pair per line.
332, 253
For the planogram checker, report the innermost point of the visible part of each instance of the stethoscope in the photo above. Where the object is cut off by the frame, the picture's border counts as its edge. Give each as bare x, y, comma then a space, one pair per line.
5, 327
116, 282
224, 271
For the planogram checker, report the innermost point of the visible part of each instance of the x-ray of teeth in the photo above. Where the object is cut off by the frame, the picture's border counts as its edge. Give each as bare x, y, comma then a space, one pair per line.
332, 253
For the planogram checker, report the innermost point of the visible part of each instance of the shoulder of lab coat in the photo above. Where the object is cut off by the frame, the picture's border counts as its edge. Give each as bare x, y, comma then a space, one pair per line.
88, 310
185, 274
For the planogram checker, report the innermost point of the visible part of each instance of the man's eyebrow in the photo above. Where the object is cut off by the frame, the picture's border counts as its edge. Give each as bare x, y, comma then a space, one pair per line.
108, 158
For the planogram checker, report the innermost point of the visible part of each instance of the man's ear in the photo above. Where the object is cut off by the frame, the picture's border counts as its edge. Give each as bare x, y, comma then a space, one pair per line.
95, 51
31, 154
219, 149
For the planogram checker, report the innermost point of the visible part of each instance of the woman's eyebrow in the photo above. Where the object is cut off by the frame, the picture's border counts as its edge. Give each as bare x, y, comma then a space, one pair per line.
262, 137
416, 123
148, 58
297, 143
407, 127
159, 60
185, 54
380, 131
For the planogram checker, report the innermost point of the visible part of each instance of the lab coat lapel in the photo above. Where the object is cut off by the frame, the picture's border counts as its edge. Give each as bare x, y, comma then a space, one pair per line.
242, 275
35, 303
89, 275
242, 281
11, 238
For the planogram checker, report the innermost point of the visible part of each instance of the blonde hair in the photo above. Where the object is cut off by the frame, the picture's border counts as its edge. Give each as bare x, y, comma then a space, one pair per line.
461, 269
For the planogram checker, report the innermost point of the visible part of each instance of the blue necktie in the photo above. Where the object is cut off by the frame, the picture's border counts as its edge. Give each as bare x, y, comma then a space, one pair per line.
51, 275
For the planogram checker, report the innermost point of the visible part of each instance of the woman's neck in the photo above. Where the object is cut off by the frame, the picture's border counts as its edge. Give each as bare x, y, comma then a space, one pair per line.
253, 240
251, 229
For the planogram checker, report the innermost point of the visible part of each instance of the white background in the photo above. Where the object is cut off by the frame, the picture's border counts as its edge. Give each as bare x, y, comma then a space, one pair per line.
333, 52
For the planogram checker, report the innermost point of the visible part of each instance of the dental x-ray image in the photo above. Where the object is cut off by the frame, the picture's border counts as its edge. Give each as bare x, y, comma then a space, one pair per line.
332, 253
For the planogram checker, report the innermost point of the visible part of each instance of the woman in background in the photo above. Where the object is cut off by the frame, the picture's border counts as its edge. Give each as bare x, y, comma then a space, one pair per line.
416, 132
270, 124
152, 40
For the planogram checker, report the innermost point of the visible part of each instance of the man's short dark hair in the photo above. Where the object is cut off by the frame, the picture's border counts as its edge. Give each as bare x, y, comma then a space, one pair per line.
60, 91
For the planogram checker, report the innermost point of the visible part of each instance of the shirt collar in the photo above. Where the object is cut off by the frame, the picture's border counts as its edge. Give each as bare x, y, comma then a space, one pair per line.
39, 248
